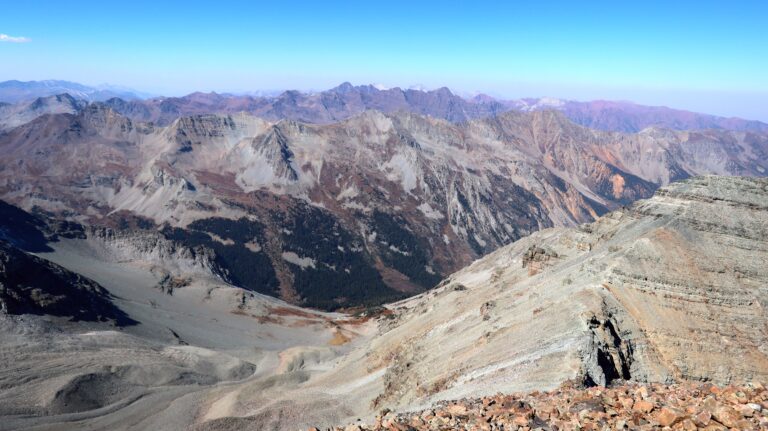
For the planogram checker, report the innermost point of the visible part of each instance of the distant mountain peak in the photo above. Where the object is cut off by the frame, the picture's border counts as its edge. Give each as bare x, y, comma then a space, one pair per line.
15, 91
344, 87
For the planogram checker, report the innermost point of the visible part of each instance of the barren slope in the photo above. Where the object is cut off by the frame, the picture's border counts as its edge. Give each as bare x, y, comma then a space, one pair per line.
672, 289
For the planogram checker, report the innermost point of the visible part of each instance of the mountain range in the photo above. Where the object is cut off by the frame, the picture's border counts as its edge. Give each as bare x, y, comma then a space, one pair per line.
358, 212
221, 262
26, 91
346, 100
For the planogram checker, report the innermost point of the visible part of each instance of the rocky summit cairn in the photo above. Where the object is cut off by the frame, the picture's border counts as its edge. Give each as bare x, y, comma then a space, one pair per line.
639, 407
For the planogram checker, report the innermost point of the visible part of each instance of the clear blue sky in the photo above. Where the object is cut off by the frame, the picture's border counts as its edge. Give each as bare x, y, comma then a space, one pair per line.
710, 56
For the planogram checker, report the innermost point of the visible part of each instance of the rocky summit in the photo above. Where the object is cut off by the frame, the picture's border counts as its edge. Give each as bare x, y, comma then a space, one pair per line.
685, 406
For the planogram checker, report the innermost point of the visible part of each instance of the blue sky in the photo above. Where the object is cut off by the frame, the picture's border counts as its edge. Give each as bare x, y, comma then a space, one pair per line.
701, 55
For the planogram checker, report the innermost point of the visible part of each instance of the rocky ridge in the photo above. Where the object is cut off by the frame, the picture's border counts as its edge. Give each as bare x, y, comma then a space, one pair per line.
14, 91
346, 101
154, 249
631, 117
22, 113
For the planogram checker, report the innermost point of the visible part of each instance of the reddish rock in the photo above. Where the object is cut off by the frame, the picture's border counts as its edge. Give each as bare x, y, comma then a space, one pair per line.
669, 416
457, 410
702, 418
685, 407
626, 403
643, 406
688, 425
726, 416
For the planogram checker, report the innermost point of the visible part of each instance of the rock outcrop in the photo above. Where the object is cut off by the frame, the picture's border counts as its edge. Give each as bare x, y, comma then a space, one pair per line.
154, 250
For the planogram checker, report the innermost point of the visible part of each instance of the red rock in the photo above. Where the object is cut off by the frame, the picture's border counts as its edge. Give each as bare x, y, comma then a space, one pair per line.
457, 410
627, 403
643, 406
688, 425
669, 416
726, 416
745, 410
702, 418
642, 392
686, 407
520, 420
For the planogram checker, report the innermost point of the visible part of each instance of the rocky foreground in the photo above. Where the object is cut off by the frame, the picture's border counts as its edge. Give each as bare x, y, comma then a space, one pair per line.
641, 407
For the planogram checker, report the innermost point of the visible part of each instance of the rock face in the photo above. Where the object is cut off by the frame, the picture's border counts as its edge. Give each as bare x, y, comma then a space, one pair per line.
116, 245
671, 289
383, 205
31, 285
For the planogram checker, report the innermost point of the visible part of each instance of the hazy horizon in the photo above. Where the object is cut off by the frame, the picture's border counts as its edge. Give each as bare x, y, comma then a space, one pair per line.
704, 56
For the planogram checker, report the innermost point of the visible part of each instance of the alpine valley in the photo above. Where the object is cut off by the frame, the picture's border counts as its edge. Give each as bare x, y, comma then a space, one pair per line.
218, 262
